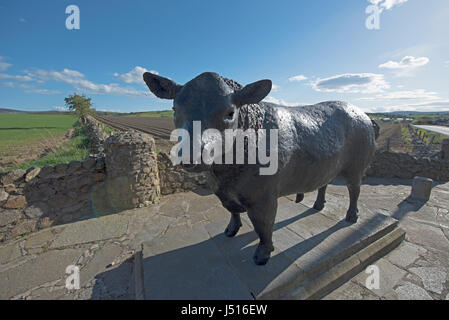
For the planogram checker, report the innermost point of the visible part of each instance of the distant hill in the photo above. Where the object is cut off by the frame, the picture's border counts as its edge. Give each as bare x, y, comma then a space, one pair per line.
4, 110
100, 113
419, 112
410, 113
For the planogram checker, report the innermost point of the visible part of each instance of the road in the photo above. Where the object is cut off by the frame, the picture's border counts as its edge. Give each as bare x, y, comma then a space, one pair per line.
438, 129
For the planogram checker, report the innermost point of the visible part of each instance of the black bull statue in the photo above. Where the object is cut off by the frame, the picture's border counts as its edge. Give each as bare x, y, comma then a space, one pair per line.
316, 144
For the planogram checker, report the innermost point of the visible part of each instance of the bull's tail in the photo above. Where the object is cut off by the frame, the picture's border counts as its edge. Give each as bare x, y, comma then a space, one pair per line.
376, 129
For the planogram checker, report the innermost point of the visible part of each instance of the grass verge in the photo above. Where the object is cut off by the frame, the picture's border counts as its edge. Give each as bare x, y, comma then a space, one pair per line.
406, 136
77, 148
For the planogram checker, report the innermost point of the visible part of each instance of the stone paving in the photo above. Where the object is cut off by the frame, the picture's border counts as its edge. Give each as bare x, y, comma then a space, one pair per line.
419, 267
33, 267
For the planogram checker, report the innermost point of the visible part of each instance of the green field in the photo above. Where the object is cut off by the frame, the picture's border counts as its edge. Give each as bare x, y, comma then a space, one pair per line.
22, 129
76, 148
25, 135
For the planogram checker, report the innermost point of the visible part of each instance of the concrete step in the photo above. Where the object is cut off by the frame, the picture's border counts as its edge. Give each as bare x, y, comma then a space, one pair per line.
315, 252
320, 285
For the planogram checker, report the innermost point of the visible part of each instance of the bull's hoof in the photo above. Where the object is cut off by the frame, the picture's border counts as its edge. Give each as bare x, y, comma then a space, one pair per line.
352, 217
262, 255
319, 205
299, 197
232, 228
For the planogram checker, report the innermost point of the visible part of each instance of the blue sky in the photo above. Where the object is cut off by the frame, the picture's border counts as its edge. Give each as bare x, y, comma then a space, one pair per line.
312, 51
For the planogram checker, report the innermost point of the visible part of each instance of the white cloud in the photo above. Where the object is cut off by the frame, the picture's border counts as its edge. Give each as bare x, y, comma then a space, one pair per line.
352, 83
112, 88
4, 65
77, 79
42, 91
15, 77
22, 20
446, 64
59, 108
27, 87
275, 88
66, 75
297, 78
404, 95
387, 4
135, 75
282, 102
441, 105
407, 62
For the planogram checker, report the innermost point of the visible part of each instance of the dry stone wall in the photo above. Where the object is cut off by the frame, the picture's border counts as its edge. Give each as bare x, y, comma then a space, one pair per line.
96, 133
401, 165
40, 197
174, 179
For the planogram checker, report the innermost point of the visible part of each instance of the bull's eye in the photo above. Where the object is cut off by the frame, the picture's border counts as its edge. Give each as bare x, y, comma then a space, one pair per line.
230, 115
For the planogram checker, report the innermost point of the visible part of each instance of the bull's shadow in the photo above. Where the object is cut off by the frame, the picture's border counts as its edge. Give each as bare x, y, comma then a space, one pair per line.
214, 268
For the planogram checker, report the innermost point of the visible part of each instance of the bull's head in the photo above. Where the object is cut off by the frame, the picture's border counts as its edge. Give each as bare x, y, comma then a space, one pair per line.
206, 98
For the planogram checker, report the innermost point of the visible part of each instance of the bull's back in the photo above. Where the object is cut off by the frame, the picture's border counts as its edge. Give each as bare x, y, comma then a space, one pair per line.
318, 142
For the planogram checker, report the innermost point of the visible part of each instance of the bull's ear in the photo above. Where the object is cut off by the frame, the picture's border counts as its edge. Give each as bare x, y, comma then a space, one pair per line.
161, 87
252, 93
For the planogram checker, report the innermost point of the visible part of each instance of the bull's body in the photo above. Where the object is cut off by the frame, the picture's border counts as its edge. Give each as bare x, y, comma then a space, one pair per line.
316, 144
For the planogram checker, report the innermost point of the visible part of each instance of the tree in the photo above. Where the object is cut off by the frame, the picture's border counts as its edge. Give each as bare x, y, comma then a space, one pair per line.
79, 104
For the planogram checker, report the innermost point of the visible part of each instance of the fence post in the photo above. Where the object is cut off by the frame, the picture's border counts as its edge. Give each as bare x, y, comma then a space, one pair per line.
445, 149
421, 188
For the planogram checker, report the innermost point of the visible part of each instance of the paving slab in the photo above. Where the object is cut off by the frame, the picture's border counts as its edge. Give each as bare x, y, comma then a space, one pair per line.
9, 253
389, 277
433, 278
406, 254
410, 291
92, 230
189, 266
47, 267
351, 291
200, 262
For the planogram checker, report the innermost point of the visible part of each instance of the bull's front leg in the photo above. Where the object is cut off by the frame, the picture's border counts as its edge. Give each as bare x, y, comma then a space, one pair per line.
262, 216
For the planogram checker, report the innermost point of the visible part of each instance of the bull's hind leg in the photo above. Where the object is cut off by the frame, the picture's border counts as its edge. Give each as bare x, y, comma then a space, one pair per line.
299, 197
262, 217
234, 225
354, 192
320, 199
